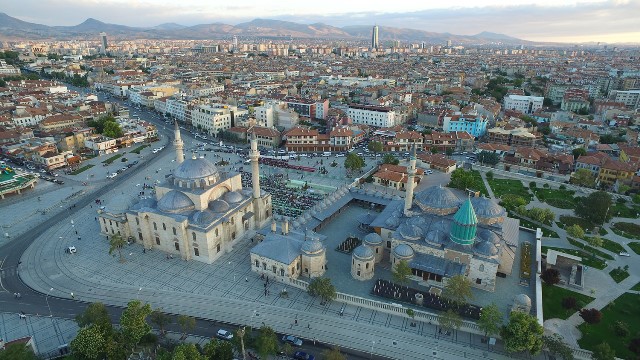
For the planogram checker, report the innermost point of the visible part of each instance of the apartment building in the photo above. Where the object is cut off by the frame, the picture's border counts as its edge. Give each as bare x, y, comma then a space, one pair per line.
378, 116
474, 124
630, 98
575, 100
513, 137
523, 104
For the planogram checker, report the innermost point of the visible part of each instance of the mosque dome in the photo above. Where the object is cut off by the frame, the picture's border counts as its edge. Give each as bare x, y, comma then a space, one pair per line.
486, 248
410, 232
149, 203
232, 197
488, 210
463, 229
119, 204
372, 239
175, 202
392, 222
488, 236
437, 199
195, 168
203, 218
219, 206
311, 247
363, 252
403, 251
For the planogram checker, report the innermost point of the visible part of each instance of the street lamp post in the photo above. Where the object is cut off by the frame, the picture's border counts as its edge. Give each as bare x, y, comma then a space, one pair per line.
46, 299
373, 342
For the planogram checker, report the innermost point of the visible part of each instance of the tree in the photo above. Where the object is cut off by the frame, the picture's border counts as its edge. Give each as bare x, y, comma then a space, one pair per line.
353, 162
186, 323
434, 150
412, 315
545, 216
287, 349
634, 346
116, 242
322, 286
575, 231
577, 152
591, 316
333, 354
267, 342
89, 342
512, 201
160, 319
95, 314
595, 241
522, 333
603, 352
490, 320
186, 352
450, 320
458, 290
488, 157
133, 322
449, 151
461, 179
550, 276
555, 345
595, 207
583, 177
17, 352
390, 159
218, 350
401, 272
375, 146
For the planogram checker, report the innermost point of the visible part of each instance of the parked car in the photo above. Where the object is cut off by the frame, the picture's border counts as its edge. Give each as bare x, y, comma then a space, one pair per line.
71, 250
624, 253
292, 340
301, 355
224, 334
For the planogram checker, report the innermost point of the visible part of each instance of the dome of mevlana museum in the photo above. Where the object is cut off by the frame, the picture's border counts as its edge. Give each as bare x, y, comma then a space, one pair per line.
437, 200
363, 252
487, 210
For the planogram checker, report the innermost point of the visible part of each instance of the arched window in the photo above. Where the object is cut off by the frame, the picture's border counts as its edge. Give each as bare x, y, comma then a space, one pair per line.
367, 265
164, 226
481, 268
176, 245
193, 236
174, 231
216, 231
257, 263
155, 226
196, 252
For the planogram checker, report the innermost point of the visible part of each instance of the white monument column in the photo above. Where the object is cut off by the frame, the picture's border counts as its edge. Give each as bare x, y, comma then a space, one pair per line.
254, 155
178, 144
408, 199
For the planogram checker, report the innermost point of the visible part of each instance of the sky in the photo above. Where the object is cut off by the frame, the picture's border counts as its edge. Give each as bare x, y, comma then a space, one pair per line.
608, 21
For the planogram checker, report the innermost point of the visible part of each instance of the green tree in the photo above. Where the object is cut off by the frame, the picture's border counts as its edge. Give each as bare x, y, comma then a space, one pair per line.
449, 151
133, 321
556, 345
267, 342
461, 179
603, 352
412, 315
17, 352
522, 333
488, 157
160, 319
375, 146
583, 177
116, 242
287, 349
390, 159
512, 201
322, 287
595, 207
401, 272
434, 150
490, 320
575, 231
595, 241
89, 342
95, 314
333, 354
458, 290
186, 323
450, 320
186, 352
577, 152
353, 162
112, 130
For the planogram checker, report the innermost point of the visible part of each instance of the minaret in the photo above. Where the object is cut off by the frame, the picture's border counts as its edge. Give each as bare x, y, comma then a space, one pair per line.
408, 199
254, 155
178, 144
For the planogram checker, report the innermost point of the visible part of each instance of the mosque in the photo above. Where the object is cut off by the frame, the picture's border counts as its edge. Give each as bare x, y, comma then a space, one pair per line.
198, 213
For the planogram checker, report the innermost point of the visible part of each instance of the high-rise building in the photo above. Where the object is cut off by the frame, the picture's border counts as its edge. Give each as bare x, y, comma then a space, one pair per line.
103, 42
374, 38
235, 43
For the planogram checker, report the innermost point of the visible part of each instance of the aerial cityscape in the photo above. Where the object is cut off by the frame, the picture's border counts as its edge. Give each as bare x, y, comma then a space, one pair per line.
319, 181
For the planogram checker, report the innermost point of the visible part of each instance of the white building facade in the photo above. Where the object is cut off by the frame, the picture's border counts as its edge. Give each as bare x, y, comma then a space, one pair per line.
523, 104
372, 115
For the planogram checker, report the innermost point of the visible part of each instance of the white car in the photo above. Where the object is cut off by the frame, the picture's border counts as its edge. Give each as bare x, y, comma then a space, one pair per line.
224, 334
624, 253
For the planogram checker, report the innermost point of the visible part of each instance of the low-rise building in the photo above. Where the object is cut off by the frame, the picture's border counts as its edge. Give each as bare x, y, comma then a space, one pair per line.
395, 176
438, 162
511, 136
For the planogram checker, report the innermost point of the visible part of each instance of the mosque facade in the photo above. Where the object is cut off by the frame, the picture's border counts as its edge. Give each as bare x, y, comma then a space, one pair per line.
198, 213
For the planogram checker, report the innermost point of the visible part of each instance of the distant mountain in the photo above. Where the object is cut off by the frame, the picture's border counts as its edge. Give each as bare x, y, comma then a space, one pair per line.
12, 28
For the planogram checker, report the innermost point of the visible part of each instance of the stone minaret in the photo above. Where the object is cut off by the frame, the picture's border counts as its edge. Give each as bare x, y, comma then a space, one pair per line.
408, 199
178, 144
254, 155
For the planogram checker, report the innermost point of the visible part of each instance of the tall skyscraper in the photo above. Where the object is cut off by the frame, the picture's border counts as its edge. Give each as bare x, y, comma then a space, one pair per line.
103, 42
374, 38
235, 43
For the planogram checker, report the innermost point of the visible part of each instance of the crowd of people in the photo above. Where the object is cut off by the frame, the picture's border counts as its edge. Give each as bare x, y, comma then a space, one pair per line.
286, 201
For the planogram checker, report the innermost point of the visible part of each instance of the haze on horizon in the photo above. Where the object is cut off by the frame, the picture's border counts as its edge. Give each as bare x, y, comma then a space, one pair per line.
611, 21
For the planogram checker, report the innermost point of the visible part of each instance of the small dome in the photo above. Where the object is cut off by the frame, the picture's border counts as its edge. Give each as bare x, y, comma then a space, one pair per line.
363, 252
313, 246
392, 222
246, 192
436, 236
373, 239
486, 248
195, 168
437, 198
203, 218
403, 251
486, 208
175, 202
119, 204
147, 203
488, 236
232, 197
410, 232
522, 300
219, 206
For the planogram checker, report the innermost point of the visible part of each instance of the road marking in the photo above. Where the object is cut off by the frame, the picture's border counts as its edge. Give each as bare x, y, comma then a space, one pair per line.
2, 273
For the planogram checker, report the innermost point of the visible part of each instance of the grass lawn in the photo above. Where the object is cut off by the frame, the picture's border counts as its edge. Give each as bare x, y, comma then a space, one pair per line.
622, 210
79, 170
628, 230
587, 259
502, 187
562, 199
590, 249
566, 220
636, 287
139, 148
112, 159
619, 274
602, 231
624, 309
635, 246
552, 301
478, 184
612, 246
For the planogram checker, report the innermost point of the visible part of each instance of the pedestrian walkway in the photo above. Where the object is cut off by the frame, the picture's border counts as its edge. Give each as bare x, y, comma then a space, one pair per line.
483, 175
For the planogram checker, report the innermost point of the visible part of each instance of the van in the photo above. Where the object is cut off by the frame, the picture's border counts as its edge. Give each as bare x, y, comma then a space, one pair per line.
326, 153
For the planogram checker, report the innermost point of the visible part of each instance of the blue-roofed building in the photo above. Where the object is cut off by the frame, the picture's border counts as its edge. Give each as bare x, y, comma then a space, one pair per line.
472, 123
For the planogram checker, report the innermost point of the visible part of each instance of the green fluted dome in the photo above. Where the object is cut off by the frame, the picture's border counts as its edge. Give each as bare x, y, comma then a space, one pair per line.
463, 229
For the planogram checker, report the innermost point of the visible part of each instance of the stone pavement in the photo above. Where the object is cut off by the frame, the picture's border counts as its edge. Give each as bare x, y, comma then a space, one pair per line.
48, 332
